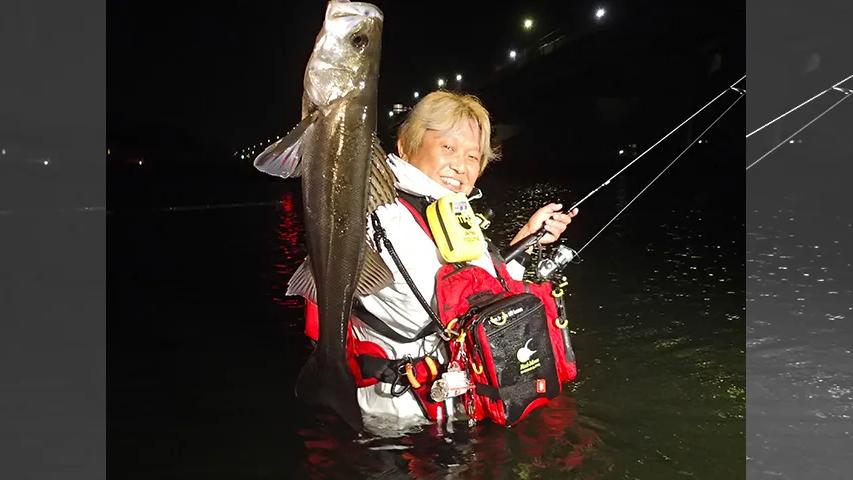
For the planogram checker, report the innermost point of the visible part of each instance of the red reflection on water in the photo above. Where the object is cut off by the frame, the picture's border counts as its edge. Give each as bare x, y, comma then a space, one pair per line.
291, 251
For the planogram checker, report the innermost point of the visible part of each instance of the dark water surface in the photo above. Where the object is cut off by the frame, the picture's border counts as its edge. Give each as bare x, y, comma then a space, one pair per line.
204, 350
800, 286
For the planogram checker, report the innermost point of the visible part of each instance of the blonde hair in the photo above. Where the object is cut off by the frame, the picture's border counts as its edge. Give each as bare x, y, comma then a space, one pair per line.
441, 111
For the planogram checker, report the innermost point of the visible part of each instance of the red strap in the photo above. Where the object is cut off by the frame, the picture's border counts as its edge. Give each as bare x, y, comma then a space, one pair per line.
418, 217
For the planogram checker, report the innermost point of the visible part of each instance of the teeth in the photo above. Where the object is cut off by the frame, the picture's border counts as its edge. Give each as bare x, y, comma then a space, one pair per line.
451, 181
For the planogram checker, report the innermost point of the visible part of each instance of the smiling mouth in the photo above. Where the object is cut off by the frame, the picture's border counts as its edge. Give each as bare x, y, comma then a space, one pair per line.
451, 182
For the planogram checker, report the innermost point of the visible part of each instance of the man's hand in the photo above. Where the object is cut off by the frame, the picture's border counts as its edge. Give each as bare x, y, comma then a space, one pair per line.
555, 223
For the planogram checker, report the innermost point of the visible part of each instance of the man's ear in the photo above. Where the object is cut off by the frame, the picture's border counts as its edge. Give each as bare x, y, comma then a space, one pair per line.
400, 152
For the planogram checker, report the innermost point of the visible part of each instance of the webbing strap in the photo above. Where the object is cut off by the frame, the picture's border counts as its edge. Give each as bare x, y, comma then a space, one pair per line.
383, 329
381, 369
487, 391
380, 239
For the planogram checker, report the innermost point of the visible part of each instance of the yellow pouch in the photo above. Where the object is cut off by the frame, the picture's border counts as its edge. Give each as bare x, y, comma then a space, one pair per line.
455, 228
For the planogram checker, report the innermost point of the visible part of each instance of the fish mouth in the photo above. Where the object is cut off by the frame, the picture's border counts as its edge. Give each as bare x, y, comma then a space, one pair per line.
362, 9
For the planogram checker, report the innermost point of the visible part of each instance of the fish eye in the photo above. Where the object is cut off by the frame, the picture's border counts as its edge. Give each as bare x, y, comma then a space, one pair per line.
359, 41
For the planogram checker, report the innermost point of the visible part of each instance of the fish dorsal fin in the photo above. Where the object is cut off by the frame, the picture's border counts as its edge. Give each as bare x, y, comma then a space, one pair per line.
302, 282
284, 157
375, 274
381, 189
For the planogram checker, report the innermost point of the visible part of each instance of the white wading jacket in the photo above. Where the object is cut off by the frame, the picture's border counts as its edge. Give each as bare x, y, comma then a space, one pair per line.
396, 305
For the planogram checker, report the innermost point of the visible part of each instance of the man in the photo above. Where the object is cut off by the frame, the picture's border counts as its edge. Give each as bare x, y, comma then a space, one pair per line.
443, 147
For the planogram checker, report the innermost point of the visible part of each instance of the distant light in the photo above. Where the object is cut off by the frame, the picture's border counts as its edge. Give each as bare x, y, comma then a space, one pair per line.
790, 141
390, 113
512, 54
621, 152
140, 162
528, 23
242, 157
277, 137
47, 162
108, 152
3, 152
458, 77
440, 82
417, 94
599, 13
700, 141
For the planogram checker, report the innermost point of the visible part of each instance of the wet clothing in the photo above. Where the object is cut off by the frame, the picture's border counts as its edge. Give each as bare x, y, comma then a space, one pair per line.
396, 305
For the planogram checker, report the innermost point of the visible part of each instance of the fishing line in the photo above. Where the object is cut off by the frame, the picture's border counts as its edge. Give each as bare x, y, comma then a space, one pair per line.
741, 95
731, 87
535, 237
845, 97
834, 87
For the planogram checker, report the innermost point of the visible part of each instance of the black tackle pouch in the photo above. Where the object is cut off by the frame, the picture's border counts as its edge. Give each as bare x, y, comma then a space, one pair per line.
519, 373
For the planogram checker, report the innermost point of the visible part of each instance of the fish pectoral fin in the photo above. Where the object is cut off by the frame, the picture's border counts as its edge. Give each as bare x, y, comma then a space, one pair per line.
284, 157
375, 274
302, 282
381, 181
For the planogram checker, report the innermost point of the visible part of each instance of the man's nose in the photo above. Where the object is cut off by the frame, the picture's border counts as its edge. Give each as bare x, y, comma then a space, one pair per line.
457, 163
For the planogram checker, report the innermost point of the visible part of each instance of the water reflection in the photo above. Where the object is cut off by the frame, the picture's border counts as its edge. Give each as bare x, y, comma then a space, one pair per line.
291, 249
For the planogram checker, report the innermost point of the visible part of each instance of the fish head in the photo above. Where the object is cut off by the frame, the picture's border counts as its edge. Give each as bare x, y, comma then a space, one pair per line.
345, 60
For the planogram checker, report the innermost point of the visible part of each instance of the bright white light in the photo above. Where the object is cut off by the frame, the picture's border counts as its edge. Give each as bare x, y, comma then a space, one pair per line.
417, 94
458, 77
700, 141
512, 54
140, 162
390, 113
3, 152
790, 141
242, 157
621, 152
599, 13
440, 82
46, 162
528, 23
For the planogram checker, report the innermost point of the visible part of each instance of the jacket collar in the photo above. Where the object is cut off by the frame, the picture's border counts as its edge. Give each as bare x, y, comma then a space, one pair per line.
415, 182
411, 180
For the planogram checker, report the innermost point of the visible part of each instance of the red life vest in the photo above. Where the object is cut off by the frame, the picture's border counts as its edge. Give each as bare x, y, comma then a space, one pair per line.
470, 297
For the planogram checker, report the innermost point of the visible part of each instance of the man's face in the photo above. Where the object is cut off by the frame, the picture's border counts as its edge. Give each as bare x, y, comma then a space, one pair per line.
450, 158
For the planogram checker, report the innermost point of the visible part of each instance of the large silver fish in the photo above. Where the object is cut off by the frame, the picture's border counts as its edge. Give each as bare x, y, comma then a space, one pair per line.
344, 177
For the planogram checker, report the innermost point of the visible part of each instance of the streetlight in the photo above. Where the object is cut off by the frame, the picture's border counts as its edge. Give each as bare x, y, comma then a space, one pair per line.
417, 95
528, 24
458, 77
512, 54
440, 82
599, 13
390, 113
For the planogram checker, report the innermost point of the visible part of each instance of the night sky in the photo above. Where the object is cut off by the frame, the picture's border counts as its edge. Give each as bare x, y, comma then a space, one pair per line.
211, 77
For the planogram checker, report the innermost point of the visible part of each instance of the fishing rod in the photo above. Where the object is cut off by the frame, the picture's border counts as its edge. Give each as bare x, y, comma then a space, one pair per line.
740, 96
535, 237
771, 122
847, 94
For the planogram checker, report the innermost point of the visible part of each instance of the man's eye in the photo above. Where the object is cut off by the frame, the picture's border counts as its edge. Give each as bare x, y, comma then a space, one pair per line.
473, 158
448, 147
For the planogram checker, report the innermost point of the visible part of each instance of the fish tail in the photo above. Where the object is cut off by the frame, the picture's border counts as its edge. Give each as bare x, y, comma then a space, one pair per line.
330, 385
